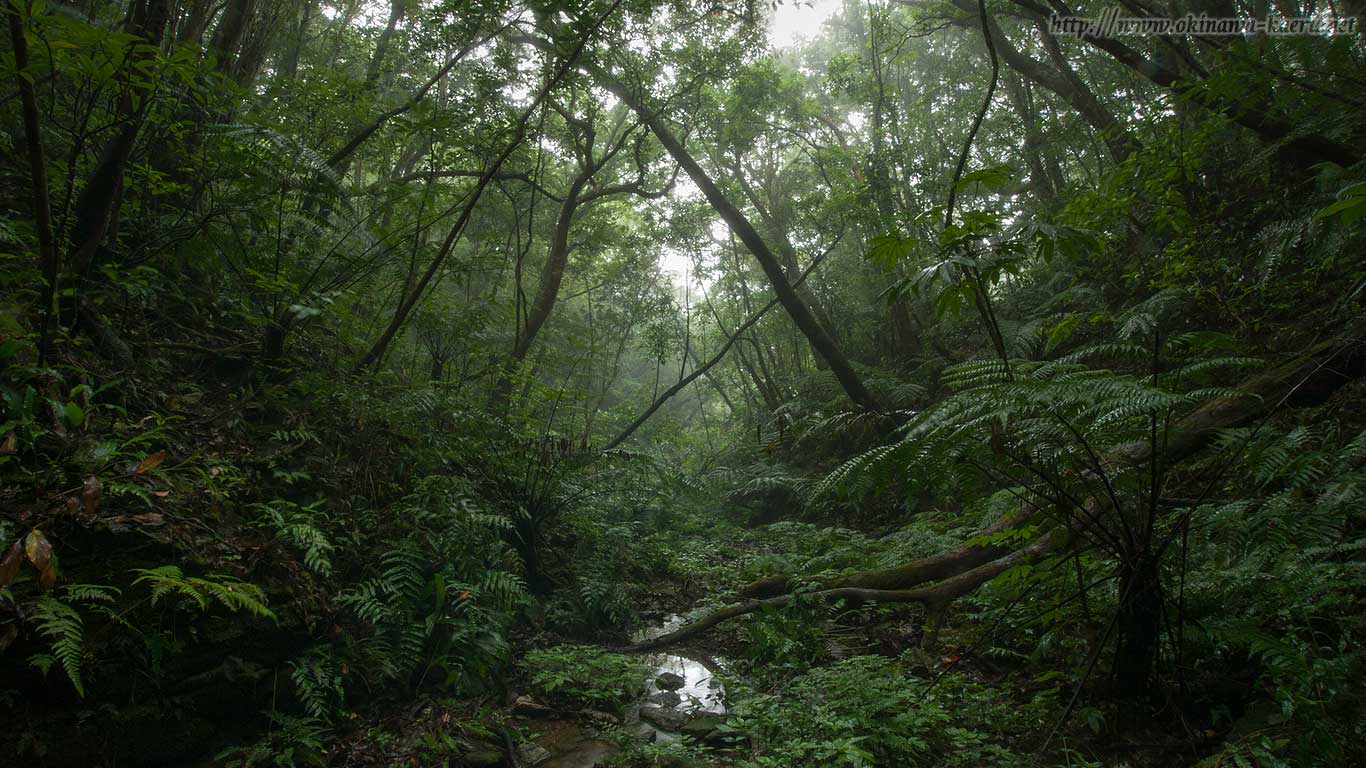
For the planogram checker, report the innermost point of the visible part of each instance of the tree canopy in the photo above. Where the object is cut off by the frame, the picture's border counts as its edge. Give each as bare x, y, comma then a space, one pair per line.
390, 382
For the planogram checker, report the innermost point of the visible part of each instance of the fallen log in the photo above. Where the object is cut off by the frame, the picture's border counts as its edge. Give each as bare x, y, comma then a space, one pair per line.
971, 554
1307, 380
933, 598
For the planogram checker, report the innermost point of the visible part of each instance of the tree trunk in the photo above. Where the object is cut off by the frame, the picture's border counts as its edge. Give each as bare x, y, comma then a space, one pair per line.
1139, 624
38, 187
548, 289
410, 299
820, 340
1061, 80
376, 65
230, 32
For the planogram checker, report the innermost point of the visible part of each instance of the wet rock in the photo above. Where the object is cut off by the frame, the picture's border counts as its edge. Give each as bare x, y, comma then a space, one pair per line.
664, 717
666, 699
705, 727
670, 681
482, 756
532, 754
525, 705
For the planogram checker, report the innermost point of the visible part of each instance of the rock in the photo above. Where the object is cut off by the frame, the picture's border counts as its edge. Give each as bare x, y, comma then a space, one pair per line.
525, 705
532, 754
666, 699
483, 756
670, 681
705, 727
664, 717
600, 717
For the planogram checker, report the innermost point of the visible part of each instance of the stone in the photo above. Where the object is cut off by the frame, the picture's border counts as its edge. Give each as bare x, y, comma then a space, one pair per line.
525, 705
705, 727
664, 717
532, 754
482, 756
670, 681
666, 699
600, 717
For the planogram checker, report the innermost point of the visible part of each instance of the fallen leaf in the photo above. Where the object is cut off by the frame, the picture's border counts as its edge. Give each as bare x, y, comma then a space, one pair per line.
38, 549
9, 567
91, 493
47, 577
161, 494
9, 446
151, 462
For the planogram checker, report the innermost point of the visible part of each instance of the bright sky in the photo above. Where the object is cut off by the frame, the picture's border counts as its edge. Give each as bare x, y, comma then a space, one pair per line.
789, 24
794, 20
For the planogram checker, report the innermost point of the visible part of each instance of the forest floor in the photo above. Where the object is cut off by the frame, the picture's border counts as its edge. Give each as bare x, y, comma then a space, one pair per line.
718, 699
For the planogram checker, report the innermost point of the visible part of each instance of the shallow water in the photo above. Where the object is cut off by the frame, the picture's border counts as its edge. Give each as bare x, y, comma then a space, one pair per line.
700, 691
570, 746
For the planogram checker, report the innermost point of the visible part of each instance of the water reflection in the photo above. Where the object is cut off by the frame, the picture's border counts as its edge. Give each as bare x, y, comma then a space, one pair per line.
700, 692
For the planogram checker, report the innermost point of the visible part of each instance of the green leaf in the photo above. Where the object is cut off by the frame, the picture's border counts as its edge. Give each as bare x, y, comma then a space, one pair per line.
994, 178
73, 415
1351, 205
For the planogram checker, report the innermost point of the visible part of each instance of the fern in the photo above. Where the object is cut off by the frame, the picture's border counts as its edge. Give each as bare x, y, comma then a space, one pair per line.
58, 621
295, 526
232, 594
318, 683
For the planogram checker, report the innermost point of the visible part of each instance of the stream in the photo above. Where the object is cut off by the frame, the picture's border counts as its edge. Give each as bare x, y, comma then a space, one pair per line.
681, 696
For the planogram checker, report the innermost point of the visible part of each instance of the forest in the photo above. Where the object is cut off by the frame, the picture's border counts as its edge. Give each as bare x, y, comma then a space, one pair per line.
682, 383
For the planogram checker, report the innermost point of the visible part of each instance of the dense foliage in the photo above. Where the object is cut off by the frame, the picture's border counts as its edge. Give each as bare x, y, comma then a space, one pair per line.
380, 378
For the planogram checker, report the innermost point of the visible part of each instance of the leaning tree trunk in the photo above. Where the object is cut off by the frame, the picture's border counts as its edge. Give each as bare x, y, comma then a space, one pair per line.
410, 299
801, 314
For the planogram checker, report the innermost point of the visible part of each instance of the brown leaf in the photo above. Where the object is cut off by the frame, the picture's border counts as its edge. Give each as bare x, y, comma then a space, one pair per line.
7, 635
9, 445
38, 549
9, 567
151, 462
48, 576
91, 493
